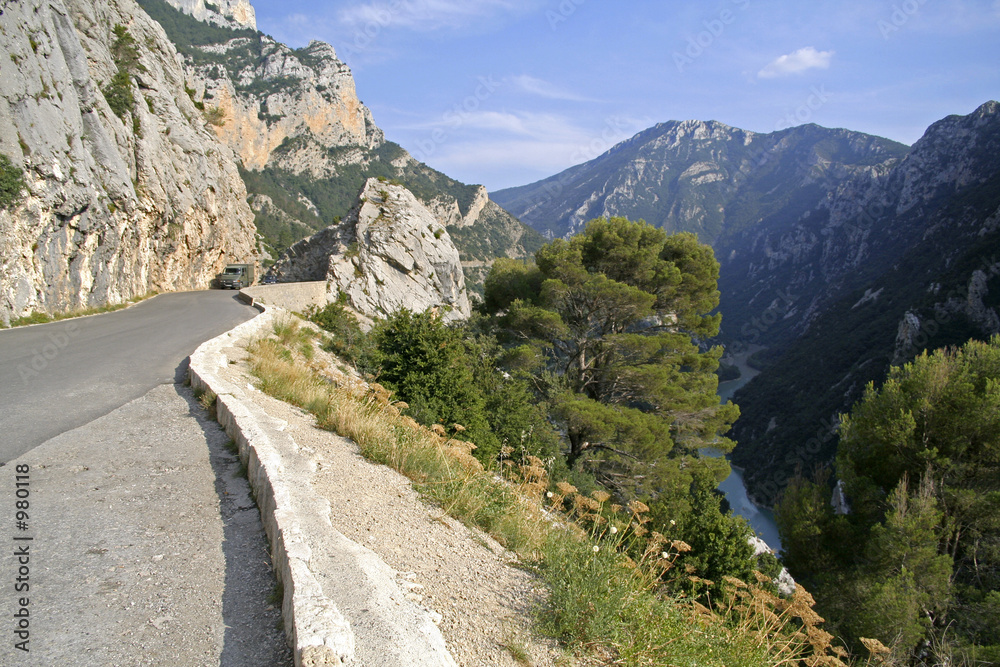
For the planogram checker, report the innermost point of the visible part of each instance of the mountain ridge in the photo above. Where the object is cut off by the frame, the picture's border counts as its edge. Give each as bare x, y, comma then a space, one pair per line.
842, 252
307, 143
690, 155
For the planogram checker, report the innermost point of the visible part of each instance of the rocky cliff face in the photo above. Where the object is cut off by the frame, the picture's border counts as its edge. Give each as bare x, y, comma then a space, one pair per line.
228, 13
861, 226
116, 205
306, 142
389, 252
279, 95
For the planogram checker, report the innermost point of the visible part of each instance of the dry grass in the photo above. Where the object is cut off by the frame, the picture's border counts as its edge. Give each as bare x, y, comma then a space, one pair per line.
441, 468
604, 605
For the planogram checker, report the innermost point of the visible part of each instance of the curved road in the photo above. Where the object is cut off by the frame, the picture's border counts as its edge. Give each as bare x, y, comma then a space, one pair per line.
59, 376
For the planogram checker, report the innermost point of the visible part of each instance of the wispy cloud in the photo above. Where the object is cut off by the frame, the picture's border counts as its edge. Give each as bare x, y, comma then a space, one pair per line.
430, 15
541, 88
516, 146
796, 62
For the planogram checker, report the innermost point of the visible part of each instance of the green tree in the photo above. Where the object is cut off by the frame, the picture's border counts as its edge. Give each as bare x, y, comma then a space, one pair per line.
719, 541
902, 584
611, 320
427, 364
449, 376
125, 53
810, 534
11, 183
926, 563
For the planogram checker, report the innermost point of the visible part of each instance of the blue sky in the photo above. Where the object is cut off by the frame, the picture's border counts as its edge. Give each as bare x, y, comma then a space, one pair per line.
505, 92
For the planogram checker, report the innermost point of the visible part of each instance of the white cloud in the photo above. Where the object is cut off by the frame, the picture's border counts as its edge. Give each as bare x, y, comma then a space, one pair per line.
428, 15
796, 62
534, 86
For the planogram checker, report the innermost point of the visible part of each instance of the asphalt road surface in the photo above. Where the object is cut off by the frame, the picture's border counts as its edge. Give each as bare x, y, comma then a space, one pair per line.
60, 376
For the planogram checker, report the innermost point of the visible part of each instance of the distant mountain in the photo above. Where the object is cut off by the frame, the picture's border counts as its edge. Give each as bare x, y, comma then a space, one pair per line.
841, 252
703, 177
306, 143
893, 261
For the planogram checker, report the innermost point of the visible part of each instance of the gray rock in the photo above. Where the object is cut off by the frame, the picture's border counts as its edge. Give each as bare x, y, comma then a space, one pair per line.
115, 207
228, 13
390, 252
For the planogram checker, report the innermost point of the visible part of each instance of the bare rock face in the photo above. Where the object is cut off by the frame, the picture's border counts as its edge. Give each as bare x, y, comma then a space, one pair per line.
390, 252
229, 13
114, 206
272, 97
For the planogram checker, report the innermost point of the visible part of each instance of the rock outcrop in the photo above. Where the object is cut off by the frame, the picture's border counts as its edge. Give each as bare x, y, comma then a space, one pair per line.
294, 119
115, 205
271, 96
229, 13
390, 252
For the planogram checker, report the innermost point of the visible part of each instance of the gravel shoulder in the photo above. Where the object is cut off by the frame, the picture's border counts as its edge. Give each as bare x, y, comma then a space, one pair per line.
483, 602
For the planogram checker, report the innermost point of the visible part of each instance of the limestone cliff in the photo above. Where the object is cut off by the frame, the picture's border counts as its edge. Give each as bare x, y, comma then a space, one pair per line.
238, 13
115, 205
307, 143
280, 95
389, 252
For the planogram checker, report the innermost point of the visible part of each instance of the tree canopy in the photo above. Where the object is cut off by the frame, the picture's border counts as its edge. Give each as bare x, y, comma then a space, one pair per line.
918, 557
609, 324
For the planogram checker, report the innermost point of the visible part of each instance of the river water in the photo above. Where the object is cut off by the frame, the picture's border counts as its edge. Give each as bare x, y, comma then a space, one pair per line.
761, 519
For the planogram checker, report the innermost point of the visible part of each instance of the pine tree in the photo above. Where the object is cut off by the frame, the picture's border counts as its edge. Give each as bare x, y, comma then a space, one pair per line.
610, 323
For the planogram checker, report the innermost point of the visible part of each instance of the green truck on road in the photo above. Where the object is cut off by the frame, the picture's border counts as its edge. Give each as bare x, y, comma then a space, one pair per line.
235, 276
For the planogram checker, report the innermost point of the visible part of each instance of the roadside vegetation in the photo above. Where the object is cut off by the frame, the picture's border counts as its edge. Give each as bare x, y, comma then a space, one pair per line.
615, 585
45, 318
567, 420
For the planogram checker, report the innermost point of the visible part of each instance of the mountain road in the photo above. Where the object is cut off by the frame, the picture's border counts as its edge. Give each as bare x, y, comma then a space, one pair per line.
58, 376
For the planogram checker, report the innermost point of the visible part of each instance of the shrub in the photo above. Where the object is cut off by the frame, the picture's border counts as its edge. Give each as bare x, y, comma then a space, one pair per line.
125, 53
12, 184
347, 340
215, 116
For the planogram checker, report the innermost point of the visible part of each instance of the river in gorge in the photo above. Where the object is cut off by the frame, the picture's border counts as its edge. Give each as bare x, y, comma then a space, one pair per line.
761, 519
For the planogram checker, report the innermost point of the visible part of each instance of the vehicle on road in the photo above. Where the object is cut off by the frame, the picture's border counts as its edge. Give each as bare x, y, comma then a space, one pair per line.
235, 276
269, 279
